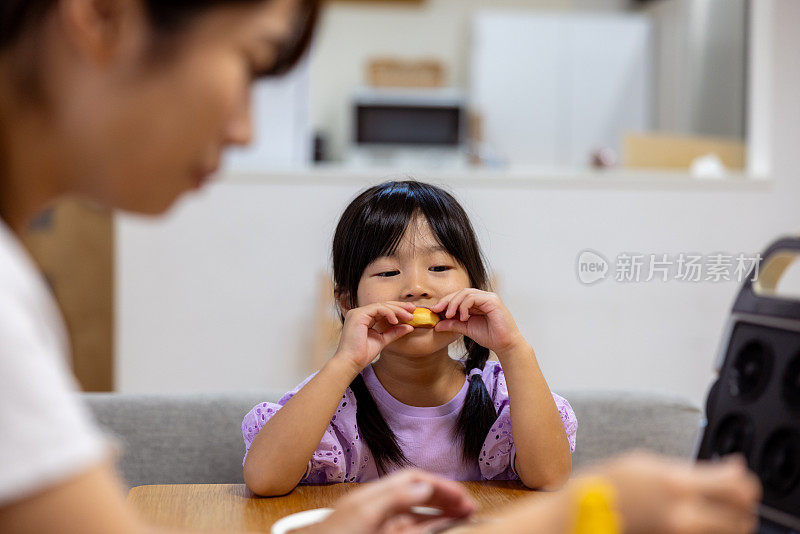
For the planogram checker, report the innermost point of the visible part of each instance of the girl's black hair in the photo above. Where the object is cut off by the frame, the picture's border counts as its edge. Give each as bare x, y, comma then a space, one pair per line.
371, 227
19, 17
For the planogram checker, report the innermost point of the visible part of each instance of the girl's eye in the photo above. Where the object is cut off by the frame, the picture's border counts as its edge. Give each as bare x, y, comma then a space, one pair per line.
440, 268
387, 274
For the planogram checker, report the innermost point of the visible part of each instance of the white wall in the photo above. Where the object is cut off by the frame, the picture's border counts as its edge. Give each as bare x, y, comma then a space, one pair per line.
197, 294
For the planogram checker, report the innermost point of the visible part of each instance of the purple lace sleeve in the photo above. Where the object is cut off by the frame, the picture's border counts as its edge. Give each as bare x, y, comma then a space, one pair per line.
256, 418
568, 419
340, 455
497, 457
496, 460
254, 421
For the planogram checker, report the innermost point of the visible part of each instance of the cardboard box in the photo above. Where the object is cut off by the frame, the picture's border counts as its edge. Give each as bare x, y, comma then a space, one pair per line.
662, 151
392, 72
73, 245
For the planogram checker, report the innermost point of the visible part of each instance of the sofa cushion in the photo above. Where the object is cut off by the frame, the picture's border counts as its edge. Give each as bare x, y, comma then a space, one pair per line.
168, 439
613, 422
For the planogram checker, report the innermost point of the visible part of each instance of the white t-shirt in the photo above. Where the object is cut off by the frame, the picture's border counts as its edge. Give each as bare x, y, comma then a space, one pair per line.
46, 433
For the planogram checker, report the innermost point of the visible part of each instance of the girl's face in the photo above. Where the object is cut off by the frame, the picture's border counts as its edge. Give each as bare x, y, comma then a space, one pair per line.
144, 125
420, 271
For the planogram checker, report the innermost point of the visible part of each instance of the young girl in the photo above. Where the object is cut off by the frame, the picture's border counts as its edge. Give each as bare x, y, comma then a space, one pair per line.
399, 246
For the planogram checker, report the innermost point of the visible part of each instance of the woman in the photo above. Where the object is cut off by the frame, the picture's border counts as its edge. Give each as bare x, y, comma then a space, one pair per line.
130, 103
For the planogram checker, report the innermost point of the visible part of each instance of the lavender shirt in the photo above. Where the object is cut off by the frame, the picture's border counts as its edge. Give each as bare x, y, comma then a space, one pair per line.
424, 434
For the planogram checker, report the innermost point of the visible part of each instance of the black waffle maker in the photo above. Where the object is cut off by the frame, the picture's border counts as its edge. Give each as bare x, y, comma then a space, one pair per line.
753, 407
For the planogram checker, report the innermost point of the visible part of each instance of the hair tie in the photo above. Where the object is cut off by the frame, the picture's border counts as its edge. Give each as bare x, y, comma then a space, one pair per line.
475, 372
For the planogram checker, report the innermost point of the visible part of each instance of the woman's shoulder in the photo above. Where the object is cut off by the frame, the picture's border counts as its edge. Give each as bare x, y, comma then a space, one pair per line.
39, 403
18, 273
27, 306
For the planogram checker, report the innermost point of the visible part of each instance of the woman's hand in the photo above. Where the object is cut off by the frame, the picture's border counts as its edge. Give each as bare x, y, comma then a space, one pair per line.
481, 316
368, 329
385, 506
653, 495
666, 496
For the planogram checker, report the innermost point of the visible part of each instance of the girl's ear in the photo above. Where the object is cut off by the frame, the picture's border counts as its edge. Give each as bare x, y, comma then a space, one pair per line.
342, 301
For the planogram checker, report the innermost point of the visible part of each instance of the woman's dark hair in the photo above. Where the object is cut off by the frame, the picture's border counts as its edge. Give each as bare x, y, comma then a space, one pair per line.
371, 227
18, 17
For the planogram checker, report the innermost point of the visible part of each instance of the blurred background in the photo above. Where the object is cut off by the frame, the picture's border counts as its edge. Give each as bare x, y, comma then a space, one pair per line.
624, 127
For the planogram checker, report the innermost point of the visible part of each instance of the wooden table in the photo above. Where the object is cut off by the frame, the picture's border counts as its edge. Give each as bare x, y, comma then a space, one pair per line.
232, 507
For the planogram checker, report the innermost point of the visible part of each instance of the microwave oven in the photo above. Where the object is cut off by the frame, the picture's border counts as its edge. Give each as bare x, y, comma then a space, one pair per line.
409, 126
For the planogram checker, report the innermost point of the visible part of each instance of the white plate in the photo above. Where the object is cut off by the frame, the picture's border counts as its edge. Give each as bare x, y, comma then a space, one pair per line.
310, 517
300, 520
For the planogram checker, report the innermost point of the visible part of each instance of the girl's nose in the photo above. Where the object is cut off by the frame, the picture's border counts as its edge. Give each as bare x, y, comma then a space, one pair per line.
415, 288
416, 294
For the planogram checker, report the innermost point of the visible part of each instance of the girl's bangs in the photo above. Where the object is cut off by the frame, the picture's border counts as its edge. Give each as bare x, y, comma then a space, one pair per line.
396, 207
383, 229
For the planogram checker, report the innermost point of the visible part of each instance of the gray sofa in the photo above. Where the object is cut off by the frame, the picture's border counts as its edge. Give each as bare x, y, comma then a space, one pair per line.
197, 438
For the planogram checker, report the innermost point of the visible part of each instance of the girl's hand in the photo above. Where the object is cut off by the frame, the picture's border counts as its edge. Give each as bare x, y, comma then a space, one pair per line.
368, 329
481, 316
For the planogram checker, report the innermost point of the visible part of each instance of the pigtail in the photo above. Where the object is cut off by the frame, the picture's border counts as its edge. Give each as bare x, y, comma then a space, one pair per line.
478, 414
374, 430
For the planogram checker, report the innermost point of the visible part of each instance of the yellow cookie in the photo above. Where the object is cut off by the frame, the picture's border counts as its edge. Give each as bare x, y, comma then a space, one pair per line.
423, 318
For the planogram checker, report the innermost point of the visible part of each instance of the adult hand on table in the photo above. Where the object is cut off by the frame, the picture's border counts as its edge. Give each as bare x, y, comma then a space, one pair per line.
653, 495
385, 507
657, 495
